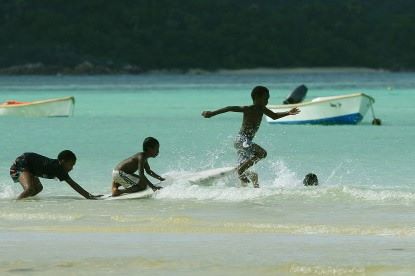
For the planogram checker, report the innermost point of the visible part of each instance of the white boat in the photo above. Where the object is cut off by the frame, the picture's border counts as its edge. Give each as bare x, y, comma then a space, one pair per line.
60, 107
344, 109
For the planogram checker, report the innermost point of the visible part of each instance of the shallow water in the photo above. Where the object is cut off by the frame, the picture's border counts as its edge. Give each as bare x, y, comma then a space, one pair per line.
360, 220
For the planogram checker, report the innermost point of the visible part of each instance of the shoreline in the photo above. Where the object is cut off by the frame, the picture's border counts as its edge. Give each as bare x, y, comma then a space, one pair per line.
88, 69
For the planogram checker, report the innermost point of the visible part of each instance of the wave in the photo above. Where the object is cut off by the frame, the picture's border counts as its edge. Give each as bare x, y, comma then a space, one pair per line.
280, 184
221, 192
283, 184
7, 192
379, 195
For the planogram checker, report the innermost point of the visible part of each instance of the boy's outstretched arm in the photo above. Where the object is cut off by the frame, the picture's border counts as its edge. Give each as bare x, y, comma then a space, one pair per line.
208, 114
81, 190
277, 115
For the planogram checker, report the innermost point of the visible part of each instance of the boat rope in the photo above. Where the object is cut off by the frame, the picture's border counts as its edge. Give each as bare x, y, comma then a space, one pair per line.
375, 121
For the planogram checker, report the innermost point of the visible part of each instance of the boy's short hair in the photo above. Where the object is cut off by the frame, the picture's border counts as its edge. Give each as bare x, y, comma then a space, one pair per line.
258, 91
310, 180
67, 155
150, 142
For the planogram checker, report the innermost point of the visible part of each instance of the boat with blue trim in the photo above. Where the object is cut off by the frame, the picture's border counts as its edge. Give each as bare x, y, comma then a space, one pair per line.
343, 109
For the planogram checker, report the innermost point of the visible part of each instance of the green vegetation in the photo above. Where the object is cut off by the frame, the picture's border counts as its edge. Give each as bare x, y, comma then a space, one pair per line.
208, 34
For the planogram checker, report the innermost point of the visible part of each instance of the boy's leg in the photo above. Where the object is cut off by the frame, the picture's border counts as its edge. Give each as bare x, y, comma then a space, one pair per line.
115, 191
131, 183
140, 186
244, 175
129, 190
30, 183
134, 189
253, 176
258, 154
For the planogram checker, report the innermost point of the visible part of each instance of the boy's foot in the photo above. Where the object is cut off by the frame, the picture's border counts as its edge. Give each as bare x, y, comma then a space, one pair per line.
247, 177
243, 177
114, 189
254, 179
116, 193
244, 180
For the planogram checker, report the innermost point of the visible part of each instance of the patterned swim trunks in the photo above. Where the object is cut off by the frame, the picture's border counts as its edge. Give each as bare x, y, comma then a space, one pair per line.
244, 148
125, 179
18, 166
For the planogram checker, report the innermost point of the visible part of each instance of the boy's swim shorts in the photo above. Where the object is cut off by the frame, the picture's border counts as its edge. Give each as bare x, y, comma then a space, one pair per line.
125, 179
18, 166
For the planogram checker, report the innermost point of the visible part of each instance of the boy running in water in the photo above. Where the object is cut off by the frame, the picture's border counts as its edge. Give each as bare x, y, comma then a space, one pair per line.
248, 152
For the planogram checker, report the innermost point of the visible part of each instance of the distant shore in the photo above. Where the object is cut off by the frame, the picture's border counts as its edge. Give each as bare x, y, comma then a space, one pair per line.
88, 68
84, 68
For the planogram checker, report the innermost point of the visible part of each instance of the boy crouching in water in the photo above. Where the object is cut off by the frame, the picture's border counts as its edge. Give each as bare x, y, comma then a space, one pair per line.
248, 152
30, 166
123, 174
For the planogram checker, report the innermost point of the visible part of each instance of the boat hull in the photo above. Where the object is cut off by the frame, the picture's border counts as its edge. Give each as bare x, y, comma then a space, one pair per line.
61, 107
346, 109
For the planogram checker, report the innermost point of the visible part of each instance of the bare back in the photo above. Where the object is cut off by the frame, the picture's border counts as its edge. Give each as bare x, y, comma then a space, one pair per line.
131, 164
252, 119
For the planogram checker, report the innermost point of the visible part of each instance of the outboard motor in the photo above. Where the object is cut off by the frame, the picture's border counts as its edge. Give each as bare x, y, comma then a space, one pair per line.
297, 96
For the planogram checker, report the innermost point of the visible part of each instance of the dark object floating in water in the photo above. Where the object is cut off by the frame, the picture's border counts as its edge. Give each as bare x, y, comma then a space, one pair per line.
297, 96
310, 180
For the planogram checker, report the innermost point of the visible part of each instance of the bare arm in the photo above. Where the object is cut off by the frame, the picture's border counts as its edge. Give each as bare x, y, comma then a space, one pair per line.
151, 173
277, 115
80, 190
142, 166
208, 114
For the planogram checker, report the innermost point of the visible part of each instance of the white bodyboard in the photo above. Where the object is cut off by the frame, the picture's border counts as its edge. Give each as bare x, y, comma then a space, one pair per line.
143, 194
208, 176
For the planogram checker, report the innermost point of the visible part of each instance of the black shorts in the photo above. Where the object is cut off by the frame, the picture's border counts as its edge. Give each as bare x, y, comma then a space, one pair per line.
18, 166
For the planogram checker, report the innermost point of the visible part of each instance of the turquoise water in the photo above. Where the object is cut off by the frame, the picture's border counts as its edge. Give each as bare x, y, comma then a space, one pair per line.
359, 220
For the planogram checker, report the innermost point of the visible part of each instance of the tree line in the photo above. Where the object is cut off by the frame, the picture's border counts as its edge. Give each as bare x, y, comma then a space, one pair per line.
208, 34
